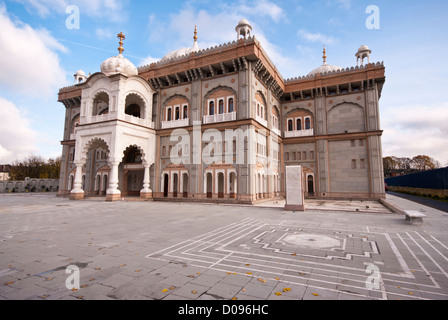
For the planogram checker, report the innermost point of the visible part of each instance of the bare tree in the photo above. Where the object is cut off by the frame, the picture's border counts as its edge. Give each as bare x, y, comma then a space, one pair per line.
35, 167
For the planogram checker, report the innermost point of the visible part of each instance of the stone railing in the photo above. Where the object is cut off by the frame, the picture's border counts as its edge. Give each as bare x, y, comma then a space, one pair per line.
175, 123
299, 133
220, 117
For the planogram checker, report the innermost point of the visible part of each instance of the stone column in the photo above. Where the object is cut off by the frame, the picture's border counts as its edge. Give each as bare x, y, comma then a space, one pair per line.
294, 189
113, 193
146, 192
77, 193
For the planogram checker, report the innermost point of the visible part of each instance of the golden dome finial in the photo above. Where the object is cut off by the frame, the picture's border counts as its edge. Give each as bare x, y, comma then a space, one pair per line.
121, 37
325, 55
195, 34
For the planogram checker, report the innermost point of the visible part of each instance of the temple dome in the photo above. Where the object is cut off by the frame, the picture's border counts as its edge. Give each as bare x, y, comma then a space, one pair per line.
324, 69
180, 52
118, 64
183, 51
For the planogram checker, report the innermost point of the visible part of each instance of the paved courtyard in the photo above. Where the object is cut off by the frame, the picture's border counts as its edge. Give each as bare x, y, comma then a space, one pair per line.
155, 250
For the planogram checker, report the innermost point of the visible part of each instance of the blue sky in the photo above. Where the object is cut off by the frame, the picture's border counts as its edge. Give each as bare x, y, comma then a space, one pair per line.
39, 54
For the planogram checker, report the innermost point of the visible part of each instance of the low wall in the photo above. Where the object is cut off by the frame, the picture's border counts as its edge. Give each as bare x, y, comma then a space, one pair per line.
30, 185
443, 194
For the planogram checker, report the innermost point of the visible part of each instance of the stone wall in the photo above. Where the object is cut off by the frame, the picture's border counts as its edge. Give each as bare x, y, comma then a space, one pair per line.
30, 185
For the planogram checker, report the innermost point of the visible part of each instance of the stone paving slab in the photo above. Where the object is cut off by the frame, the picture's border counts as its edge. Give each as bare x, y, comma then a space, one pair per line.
178, 251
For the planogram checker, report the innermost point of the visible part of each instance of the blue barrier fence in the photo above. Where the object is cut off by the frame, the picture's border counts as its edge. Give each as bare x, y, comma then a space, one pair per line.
433, 179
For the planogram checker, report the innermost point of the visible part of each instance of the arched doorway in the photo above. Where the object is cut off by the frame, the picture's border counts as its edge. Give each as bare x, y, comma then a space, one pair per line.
209, 185
232, 185
133, 171
165, 185
220, 185
185, 185
310, 185
105, 186
175, 184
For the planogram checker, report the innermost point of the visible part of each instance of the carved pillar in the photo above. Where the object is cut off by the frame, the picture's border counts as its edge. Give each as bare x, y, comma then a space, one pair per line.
146, 192
113, 193
77, 193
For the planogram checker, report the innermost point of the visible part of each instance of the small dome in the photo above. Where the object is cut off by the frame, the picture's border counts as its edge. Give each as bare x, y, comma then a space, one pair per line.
118, 64
80, 73
324, 68
364, 48
243, 21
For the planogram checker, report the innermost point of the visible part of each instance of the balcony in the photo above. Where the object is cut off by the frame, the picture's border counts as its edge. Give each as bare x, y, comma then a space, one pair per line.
136, 120
299, 133
175, 123
276, 131
261, 120
220, 117
108, 117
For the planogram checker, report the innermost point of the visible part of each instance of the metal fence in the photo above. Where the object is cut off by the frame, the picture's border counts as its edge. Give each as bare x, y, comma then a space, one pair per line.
433, 179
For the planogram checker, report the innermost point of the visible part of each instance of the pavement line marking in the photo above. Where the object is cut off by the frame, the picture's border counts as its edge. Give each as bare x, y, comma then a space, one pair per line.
419, 262
244, 227
427, 254
399, 256
435, 249
190, 240
439, 242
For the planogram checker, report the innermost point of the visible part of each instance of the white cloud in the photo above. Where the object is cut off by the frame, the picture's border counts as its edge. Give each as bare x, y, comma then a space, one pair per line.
316, 37
17, 139
111, 9
263, 8
413, 130
29, 60
345, 4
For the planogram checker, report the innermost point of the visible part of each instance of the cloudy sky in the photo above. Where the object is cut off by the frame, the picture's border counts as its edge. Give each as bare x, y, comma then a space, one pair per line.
39, 55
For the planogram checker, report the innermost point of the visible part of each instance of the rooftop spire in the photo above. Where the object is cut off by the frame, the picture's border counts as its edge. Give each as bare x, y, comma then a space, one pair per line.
121, 37
195, 34
325, 55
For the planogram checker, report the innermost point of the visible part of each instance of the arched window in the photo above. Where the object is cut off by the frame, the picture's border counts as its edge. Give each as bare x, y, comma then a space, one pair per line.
133, 155
221, 106
290, 128
185, 112
100, 104
177, 113
135, 106
133, 110
299, 124
168, 116
211, 109
307, 123
231, 106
